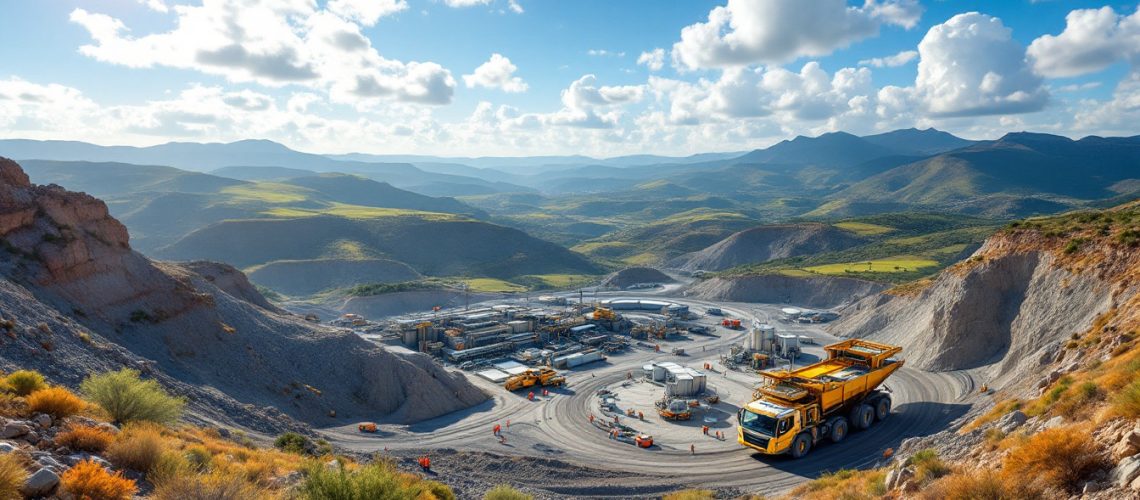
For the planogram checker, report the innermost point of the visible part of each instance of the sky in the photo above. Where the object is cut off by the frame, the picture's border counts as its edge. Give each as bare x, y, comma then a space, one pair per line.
551, 77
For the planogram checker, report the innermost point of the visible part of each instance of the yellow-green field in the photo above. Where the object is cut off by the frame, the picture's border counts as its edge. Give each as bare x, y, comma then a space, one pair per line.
642, 259
904, 263
563, 280
355, 212
864, 229
492, 285
268, 192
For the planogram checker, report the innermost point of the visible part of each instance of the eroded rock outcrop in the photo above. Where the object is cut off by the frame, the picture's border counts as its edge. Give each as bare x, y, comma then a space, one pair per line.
75, 299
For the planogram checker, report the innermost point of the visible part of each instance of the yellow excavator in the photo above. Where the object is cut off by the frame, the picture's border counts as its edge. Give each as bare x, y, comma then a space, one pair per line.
545, 377
795, 410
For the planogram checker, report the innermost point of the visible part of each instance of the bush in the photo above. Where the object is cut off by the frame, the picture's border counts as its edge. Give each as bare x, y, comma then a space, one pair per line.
139, 448
1058, 458
208, 487
979, 485
199, 458
12, 477
377, 480
90, 480
55, 401
292, 442
127, 398
25, 382
85, 438
927, 465
684, 495
1127, 401
506, 492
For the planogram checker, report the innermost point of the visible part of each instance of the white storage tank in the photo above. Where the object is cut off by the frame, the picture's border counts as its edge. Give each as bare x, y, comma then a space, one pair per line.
659, 373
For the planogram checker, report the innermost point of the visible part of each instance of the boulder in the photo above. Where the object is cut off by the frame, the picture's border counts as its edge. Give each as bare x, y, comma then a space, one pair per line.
1011, 421
43, 420
1053, 422
6, 447
42, 483
15, 429
1128, 445
1126, 472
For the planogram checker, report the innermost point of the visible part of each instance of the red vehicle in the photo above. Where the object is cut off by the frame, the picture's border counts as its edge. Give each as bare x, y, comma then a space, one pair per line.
367, 427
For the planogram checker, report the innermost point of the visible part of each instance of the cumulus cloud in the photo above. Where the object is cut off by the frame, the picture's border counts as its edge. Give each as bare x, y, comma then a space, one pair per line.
496, 73
1092, 40
367, 12
515, 6
970, 65
275, 43
605, 53
155, 5
654, 59
747, 32
786, 97
900, 59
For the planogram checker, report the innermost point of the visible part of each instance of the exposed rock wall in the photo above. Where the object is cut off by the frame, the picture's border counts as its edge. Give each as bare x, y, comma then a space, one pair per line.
821, 292
1007, 310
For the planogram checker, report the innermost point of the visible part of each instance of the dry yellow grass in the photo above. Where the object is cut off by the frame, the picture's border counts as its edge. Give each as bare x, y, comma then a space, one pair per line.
55, 401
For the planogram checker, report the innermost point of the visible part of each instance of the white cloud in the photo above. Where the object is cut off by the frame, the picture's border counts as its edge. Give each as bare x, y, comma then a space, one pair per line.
1092, 40
155, 5
496, 73
604, 53
654, 59
970, 65
1078, 87
465, 3
367, 12
515, 7
747, 32
278, 43
900, 59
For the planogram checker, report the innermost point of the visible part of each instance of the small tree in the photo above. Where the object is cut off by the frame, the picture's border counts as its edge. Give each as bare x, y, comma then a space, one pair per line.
127, 398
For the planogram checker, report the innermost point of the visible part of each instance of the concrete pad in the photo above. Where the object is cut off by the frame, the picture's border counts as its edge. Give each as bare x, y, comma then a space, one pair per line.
493, 375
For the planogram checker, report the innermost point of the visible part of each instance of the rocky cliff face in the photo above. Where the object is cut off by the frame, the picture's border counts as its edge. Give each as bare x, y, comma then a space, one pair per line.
75, 299
1006, 311
815, 291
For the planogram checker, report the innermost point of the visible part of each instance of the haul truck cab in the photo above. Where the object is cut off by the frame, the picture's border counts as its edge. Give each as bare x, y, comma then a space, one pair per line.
794, 410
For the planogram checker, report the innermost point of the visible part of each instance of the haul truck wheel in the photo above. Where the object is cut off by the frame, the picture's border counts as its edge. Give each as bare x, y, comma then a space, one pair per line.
882, 409
839, 429
801, 445
863, 416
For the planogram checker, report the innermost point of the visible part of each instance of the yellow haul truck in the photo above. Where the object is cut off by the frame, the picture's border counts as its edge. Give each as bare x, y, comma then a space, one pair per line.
794, 410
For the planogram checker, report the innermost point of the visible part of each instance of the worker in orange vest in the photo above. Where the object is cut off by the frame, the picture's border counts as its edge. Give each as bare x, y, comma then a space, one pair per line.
425, 463
530, 396
498, 430
508, 424
705, 429
591, 418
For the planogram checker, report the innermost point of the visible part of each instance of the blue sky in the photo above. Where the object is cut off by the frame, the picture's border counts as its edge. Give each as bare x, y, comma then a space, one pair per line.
766, 72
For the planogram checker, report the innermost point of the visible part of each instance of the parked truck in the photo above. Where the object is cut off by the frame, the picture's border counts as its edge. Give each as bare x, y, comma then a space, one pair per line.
794, 410
530, 378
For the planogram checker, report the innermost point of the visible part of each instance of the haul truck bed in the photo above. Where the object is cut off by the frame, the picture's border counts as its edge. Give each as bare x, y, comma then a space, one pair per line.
794, 410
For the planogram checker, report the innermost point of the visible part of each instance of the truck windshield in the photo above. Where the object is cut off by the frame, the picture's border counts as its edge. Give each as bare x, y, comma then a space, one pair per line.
758, 423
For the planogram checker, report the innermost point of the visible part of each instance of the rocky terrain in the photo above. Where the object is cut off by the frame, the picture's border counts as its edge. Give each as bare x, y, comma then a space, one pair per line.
1045, 316
75, 299
812, 291
634, 275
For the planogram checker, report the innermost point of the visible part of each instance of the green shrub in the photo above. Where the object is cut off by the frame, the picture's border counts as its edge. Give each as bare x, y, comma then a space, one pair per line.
377, 480
25, 382
127, 398
208, 487
927, 465
291, 442
1127, 401
506, 492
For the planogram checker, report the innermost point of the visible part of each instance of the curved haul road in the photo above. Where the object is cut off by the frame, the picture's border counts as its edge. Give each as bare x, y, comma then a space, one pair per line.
558, 427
